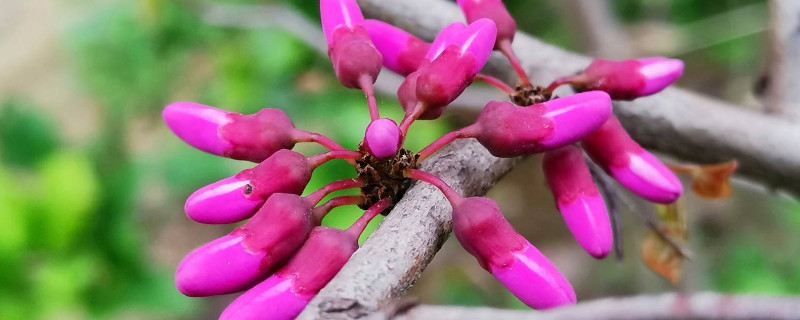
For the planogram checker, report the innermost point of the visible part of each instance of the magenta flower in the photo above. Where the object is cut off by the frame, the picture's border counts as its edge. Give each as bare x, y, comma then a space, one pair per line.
427, 92
493, 10
578, 199
402, 52
288, 291
507, 130
282, 256
636, 169
481, 229
237, 198
382, 138
628, 79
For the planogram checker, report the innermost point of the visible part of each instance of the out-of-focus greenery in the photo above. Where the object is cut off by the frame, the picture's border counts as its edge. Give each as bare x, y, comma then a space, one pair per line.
73, 240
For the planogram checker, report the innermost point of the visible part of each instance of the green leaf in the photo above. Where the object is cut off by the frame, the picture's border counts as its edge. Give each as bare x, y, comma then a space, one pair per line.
26, 137
69, 195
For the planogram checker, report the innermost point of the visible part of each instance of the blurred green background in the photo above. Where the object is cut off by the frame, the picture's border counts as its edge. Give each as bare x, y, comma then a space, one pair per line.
92, 183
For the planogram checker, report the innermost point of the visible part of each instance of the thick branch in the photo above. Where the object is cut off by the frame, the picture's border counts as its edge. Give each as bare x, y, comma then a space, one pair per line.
677, 122
784, 60
701, 306
395, 255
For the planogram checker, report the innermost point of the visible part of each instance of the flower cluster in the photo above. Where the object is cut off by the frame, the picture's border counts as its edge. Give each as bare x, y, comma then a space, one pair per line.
282, 255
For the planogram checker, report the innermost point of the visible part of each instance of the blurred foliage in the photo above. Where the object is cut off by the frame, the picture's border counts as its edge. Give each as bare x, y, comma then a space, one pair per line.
74, 242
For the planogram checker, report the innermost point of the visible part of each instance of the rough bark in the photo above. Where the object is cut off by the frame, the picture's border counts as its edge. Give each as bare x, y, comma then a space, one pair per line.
395, 255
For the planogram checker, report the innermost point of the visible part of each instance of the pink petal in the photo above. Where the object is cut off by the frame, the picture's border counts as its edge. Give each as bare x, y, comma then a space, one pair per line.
478, 39
576, 116
444, 39
533, 279
221, 202
338, 13
587, 219
646, 176
272, 299
198, 125
221, 266
659, 73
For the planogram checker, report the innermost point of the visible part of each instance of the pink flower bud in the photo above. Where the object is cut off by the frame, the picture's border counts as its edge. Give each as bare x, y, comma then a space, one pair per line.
532, 278
382, 138
444, 39
286, 293
218, 267
578, 199
490, 9
402, 52
237, 198
478, 39
223, 201
251, 252
460, 53
636, 169
507, 130
659, 73
483, 231
338, 13
630, 79
243, 137
354, 57
198, 125
272, 299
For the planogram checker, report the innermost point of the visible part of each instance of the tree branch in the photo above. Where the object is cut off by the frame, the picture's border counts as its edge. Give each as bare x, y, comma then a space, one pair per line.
700, 306
677, 122
782, 96
395, 255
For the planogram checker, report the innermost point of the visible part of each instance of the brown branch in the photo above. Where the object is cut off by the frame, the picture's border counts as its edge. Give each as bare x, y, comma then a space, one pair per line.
782, 94
699, 306
677, 122
396, 253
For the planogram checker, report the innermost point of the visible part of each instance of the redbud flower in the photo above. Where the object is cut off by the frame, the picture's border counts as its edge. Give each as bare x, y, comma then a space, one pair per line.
355, 59
431, 88
493, 10
244, 137
444, 39
248, 254
288, 291
382, 138
402, 52
237, 198
481, 229
635, 168
629, 79
578, 199
508, 130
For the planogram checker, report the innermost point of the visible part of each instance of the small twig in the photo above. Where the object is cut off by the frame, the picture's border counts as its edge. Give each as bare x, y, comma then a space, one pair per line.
611, 203
646, 215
